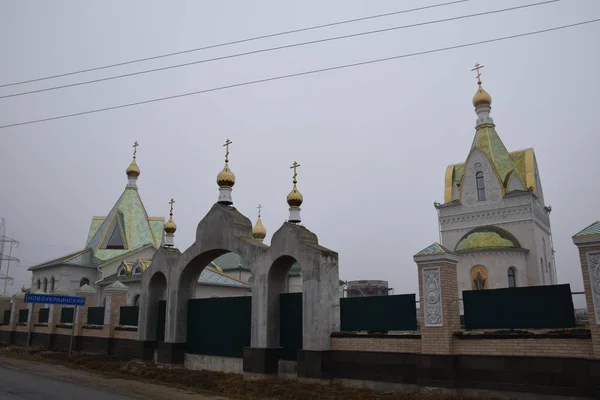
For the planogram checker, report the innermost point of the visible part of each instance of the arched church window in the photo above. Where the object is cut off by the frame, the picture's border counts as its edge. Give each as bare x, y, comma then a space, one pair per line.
45, 285
137, 270
52, 284
512, 279
84, 281
39, 284
122, 272
480, 186
136, 300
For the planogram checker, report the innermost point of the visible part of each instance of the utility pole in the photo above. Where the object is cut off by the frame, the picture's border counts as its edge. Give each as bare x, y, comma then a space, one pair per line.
3, 257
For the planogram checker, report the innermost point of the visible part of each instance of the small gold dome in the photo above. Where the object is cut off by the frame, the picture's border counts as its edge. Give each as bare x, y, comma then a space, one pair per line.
226, 178
482, 98
133, 169
170, 226
295, 199
259, 232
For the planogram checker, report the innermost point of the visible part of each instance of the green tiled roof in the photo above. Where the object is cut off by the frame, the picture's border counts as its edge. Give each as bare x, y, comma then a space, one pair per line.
82, 258
138, 232
231, 262
433, 250
592, 230
130, 214
94, 226
487, 237
487, 140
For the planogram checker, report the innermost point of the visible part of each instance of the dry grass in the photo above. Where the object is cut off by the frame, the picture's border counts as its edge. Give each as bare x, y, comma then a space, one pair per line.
218, 383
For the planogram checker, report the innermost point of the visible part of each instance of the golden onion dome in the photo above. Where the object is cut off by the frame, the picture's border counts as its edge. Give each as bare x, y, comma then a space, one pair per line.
482, 98
226, 178
295, 199
133, 169
259, 232
170, 226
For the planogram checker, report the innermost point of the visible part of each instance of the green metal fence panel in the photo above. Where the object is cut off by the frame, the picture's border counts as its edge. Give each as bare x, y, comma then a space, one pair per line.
6, 317
23, 315
532, 307
67, 315
219, 326
160, 322
290, 324
128, 316
379, 313
95, 316
44, 315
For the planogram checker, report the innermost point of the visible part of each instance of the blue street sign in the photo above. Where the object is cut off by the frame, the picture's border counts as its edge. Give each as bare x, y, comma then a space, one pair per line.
54, 299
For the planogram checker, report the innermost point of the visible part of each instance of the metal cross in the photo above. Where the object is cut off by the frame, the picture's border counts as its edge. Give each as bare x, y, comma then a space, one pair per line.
135, 145
259, 209
226, 145
171, 203
477, 68
294, 166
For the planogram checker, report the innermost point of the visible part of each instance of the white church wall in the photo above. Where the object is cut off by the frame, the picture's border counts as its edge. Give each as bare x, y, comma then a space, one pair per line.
65, 276
496, 263
478, 162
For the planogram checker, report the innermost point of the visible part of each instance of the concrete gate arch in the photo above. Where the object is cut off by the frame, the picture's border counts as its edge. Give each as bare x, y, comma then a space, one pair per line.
320, 301
224, 229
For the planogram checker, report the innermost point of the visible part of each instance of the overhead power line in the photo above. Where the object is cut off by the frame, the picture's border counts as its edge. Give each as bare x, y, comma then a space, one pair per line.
238, 42
279, 48
311, 72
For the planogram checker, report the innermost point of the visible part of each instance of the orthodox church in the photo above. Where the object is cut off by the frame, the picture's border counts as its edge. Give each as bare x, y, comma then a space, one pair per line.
494, 215
120, 246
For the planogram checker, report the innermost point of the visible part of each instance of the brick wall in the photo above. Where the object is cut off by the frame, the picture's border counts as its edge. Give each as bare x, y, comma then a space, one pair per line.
377, 344
568, 348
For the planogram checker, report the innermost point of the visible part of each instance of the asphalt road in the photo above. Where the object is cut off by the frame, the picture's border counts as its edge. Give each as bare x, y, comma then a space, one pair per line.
18, 384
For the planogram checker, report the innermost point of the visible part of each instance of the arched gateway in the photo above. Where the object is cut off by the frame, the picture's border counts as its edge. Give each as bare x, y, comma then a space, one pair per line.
172, 276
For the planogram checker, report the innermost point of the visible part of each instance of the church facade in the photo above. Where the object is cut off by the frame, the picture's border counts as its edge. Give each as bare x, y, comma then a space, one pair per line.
494, 215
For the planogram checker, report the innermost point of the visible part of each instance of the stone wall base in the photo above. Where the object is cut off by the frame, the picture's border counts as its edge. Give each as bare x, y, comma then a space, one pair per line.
214, 363
287, 369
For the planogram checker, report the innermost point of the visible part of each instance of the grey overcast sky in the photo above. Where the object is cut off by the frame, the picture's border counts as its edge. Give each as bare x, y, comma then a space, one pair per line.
373, 141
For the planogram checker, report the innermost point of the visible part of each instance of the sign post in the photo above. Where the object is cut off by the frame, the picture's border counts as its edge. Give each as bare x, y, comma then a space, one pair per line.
55, 299
29, 323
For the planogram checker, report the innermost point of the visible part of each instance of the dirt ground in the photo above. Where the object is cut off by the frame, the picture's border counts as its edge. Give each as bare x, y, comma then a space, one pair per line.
147, 381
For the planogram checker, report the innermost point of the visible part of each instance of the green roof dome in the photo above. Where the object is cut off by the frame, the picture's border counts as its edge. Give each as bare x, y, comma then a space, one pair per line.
487, 237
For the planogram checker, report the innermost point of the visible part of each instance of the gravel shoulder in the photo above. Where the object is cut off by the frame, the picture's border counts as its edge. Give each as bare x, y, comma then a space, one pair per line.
132, 388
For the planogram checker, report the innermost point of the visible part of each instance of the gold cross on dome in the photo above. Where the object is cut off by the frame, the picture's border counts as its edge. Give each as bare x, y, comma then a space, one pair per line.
294, 166
226, 145
259, 209
171, 203
477, 68
135, 145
